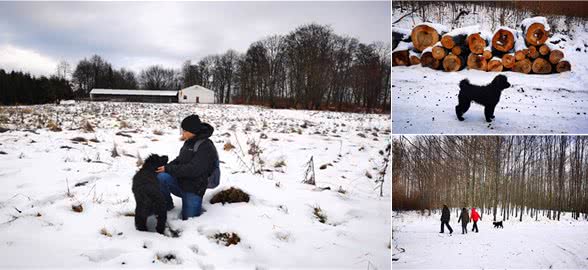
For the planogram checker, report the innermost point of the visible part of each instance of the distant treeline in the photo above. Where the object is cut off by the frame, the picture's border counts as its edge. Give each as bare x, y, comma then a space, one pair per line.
22, 88
309, 68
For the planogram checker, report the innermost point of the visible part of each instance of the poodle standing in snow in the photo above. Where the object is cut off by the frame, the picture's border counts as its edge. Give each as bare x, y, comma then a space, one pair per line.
487, 96
148, 197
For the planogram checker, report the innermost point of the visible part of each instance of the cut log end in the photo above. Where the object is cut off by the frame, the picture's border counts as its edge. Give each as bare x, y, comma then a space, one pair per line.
523, 66
533, 52
508, 61
453, 63
439, 52
476, 43
563, 66
487, 54
477, 62
495, 65
415, 60
400, 58
544, 50
503, 40
423, 36
456, 50
427, 60
447, 41
536, 35
541, 66
520, 55
555, 56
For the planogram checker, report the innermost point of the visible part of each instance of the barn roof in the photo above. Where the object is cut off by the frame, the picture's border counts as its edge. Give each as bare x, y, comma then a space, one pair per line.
133, 92
197, 87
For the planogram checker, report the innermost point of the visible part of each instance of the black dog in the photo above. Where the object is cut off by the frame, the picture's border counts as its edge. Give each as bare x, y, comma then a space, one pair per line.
148, 197
487, 96
498, 224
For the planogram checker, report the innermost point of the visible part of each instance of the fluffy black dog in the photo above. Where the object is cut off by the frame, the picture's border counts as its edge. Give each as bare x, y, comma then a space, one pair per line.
487, 96
498, 224
148, 197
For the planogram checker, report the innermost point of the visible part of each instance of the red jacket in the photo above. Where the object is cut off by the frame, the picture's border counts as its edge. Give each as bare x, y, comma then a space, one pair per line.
474, 215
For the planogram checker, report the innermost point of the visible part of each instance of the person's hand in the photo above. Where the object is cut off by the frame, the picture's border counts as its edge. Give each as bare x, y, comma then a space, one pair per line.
160, 169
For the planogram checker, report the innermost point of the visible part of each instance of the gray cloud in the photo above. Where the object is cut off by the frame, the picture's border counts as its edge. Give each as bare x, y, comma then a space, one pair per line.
138, 34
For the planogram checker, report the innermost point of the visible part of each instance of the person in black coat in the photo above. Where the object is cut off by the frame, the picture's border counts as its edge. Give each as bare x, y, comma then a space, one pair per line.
445, 219
465, 219
187, 175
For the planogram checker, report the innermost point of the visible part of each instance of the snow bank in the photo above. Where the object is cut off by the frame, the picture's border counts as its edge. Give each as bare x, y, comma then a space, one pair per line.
441, 29
67, 102
529, 21
468, 30
403, 46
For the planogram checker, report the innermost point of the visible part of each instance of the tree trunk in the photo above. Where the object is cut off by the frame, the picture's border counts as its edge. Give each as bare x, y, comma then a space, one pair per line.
427, 60
495, 65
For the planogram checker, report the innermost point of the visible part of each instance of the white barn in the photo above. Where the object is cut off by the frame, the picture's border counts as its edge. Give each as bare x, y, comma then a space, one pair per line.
196, 94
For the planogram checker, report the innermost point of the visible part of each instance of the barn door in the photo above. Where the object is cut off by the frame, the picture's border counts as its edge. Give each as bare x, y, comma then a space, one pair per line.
197, 99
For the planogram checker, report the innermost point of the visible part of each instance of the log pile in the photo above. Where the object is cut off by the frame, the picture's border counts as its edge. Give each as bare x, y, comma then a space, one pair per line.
527, 50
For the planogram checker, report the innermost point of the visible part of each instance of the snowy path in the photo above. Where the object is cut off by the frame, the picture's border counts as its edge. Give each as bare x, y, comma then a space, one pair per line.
530, 244
424, 103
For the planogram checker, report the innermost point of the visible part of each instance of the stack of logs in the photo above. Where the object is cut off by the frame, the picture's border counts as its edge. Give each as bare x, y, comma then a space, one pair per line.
532, 53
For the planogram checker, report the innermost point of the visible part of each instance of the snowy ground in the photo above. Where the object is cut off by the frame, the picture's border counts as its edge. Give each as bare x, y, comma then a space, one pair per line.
277, 228
531, 244
424, 100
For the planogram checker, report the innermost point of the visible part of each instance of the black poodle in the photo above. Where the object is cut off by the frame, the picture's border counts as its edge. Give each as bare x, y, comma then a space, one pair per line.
148, 197
487, 96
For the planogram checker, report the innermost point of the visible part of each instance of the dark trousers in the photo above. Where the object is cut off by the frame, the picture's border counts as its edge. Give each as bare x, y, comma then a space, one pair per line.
448, 227
475, 226
464, 228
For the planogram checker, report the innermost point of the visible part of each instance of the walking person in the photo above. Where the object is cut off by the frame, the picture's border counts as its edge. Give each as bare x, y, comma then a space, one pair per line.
445, 219
465, 219
475, 216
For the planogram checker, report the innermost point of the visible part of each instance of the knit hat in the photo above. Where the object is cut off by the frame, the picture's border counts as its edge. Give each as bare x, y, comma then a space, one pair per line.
191, 123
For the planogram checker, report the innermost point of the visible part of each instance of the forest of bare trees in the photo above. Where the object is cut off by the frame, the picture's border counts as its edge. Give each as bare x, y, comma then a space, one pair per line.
309, 68
519, 177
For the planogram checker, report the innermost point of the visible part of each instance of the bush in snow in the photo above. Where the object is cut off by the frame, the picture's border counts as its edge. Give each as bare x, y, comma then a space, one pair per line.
226, 238
231, 195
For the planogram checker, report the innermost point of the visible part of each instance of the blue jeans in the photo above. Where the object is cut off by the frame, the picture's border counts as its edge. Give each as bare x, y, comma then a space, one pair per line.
191, 203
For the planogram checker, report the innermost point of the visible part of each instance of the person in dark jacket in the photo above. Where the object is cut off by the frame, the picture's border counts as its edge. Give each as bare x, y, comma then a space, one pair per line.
465, 219
187, 175
445, 219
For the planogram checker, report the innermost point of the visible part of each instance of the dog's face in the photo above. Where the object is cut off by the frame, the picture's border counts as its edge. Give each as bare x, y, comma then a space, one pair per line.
154, 161
501, 82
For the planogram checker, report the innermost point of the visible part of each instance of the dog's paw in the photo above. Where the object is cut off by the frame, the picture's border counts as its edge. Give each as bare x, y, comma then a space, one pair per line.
492, 117
460, 118
488, 120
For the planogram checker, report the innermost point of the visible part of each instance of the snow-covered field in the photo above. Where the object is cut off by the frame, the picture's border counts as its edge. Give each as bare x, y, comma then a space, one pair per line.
277, 227
424, 100
542, 244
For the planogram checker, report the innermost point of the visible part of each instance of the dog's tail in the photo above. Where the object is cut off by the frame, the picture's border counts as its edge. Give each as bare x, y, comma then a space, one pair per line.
464, 84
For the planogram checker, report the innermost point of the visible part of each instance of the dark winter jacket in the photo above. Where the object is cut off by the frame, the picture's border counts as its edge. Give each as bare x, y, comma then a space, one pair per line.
445, 214
464, 217
192, 169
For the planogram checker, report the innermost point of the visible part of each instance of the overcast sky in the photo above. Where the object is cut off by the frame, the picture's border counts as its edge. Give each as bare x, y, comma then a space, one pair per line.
35, 36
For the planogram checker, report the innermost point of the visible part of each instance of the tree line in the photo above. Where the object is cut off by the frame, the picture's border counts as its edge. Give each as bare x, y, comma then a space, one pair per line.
22, 88
309, 68
505, 176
